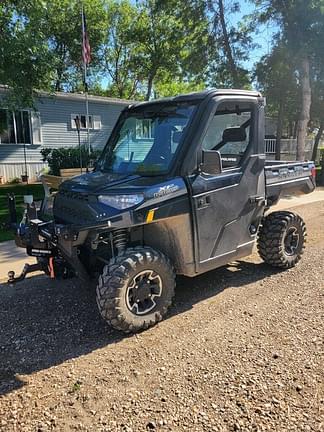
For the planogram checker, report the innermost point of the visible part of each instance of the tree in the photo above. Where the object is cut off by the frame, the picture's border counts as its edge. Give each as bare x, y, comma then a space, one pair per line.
134, 45
25, 60
60, 23
138, 48
276, 78
301, 27
119, 51
317, 107
231, 45
151, 42
40, 45
168, 87
170, 39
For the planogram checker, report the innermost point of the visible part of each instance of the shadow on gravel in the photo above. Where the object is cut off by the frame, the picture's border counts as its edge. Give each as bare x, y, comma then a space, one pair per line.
44, 322
190, 291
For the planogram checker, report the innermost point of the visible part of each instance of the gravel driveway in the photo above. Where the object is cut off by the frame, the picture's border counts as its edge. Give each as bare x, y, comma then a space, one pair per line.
242, 350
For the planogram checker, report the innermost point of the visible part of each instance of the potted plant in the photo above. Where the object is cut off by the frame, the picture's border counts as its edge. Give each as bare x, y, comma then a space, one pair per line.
24, 178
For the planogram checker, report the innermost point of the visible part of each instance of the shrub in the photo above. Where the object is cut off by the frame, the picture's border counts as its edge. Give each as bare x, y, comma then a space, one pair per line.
320, 178
321, 157
68, 157
14, 180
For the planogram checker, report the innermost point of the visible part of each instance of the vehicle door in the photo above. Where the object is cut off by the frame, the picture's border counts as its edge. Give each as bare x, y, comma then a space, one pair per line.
228, 202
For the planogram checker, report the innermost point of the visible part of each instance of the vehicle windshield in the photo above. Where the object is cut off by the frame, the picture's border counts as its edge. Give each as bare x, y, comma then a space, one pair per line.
146, 141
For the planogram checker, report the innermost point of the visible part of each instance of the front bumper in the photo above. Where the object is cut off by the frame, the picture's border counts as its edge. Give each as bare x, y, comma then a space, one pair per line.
48, 239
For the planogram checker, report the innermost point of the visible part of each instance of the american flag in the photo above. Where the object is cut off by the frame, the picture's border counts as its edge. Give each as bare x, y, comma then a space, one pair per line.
86, 51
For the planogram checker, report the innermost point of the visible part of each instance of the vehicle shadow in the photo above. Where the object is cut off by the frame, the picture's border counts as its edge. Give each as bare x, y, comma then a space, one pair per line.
46, 322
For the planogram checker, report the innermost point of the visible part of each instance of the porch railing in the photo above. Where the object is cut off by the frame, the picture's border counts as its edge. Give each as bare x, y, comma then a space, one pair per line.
287, 145
270, 146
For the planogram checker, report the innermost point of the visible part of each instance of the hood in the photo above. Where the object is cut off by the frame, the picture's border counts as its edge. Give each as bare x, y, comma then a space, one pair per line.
94, 182
77, 202
99, 182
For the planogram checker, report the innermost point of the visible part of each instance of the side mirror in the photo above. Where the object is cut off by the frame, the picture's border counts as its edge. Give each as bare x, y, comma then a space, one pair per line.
211, 162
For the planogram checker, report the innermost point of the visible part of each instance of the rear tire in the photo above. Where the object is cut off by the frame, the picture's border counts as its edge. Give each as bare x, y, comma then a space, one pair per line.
136, 289
281, 240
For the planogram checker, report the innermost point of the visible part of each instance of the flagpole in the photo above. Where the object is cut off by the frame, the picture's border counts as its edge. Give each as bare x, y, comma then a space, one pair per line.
85, 83
87, 113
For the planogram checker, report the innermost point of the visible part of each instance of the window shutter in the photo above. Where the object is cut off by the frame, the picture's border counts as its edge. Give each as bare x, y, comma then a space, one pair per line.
36, 127
96, 121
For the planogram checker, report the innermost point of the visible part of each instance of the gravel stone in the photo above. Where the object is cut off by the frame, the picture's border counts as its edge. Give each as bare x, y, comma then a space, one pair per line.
241, 350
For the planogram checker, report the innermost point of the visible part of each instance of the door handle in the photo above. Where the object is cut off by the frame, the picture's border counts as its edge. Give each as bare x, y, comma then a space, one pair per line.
203, 201
256, 199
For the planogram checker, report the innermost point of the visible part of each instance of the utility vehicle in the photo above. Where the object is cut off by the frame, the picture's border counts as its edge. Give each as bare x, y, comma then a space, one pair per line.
182, 187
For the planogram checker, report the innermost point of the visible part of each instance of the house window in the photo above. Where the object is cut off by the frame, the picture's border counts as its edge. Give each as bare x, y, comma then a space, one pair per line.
16, 127
83, 122
94, 121
144, 129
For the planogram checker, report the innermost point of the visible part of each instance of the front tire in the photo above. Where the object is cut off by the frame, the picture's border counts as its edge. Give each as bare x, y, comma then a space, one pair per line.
281, 240
136, 289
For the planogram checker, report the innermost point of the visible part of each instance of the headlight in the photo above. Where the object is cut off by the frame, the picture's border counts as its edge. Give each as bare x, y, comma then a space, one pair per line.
121, 202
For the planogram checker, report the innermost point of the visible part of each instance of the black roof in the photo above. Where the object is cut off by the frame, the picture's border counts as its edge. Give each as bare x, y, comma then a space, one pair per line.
198, 96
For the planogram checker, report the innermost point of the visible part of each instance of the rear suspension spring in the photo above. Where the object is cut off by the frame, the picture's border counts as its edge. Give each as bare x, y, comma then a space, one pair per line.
120, 239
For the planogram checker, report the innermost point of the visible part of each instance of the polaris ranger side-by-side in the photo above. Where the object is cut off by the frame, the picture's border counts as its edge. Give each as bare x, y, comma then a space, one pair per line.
182, 187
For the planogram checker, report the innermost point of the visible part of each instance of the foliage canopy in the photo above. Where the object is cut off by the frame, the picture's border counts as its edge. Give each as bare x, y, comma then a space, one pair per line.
151, 48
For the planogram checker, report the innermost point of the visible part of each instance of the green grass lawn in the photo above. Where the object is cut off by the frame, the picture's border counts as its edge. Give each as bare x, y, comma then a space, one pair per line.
19, 190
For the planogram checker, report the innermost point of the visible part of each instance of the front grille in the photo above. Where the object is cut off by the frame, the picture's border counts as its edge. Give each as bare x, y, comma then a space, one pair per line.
71, 207
71, 215
74, 195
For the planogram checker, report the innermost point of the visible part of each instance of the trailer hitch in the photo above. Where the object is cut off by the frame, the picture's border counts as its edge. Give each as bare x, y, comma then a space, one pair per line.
28, 268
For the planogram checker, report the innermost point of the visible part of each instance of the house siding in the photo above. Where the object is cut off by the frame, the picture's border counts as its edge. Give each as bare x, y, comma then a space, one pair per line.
55, 115
60, 132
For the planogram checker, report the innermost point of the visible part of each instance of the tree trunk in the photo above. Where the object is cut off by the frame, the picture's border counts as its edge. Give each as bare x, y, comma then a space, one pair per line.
279, 129
295, 129
291, 129
227, 45
58, 83
305, 108
149, 87
317, 140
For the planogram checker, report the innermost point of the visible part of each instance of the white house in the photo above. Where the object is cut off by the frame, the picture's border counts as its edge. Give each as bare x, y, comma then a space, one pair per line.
50, 125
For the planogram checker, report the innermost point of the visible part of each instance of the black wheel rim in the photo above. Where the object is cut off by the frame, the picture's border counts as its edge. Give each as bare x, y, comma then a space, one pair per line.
291, 241
143, 292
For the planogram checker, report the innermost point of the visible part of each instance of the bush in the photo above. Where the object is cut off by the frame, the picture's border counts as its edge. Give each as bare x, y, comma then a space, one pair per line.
321, 156
13, 181
320, 178
68, 157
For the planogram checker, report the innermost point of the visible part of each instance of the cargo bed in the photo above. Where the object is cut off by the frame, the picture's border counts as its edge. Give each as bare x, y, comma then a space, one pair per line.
284, 178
